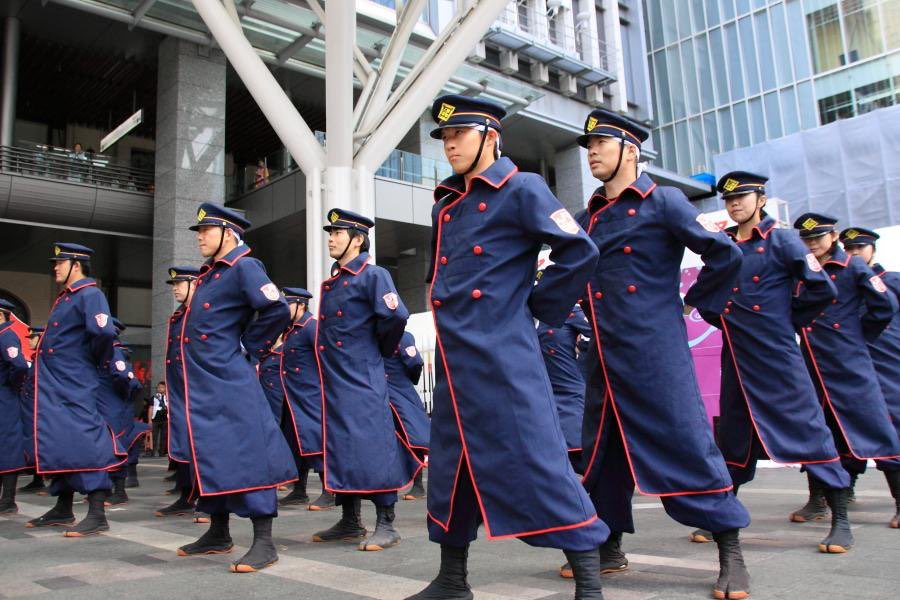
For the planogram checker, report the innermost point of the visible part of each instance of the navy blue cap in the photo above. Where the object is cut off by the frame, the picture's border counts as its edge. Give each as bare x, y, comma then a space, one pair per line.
606, 122
35, 330
296, 294
182, 273
814, 224
219, 216
67, 251
7, 305
738, 183
338, 218
454, 110
857, 236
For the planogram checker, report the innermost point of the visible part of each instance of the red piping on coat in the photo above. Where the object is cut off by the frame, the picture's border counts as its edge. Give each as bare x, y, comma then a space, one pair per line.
168, 387
287, 397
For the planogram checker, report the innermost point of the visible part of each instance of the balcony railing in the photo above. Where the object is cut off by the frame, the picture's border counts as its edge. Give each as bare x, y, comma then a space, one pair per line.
56, 163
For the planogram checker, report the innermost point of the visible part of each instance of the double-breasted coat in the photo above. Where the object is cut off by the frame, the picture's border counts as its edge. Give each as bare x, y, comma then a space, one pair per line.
179, 447
885, 350
301, 385
494, 412
235, 444
269, 372
642, 373
403, 370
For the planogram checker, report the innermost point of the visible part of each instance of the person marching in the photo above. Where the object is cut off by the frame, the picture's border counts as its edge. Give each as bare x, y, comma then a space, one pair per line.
73, 443
26, 400
645, 424
130, 389
497, 455
403, 370
183, 281
361, 320
269, 373
834, 348
237, 455
884, 350
769, 408
301, 422
13, 371
558, 347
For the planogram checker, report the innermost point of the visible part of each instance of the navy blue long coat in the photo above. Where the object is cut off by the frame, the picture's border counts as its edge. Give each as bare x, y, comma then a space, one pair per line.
178, 442
13, 368
26, 406
765, 387
235, 443
361, 320
558, 349
115, 398
269, 372
70, 433
403, 370
301, 385
834, 347
642, 374
885, 351
493, 402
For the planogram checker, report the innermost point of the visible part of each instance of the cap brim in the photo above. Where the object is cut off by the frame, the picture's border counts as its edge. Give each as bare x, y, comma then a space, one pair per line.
806, 237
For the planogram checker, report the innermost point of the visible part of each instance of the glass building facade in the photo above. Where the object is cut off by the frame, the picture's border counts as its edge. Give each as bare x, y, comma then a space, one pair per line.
734, 73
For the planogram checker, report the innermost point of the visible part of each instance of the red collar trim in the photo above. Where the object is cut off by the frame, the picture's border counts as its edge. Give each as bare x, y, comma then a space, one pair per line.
832, 261
82, 286
497, 185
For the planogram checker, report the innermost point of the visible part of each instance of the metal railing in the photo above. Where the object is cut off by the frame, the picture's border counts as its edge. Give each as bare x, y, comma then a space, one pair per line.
56, 163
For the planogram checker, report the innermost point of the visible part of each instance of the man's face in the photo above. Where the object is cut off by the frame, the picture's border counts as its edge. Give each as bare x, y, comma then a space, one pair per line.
208, 239
603, 155
461, 146
180, 290
61, 270
867, 251
33, 341
820, 246
741, 207
78, 148
337, 242
161, 388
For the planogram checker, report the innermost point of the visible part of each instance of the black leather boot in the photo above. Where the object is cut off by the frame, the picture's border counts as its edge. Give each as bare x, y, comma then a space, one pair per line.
349, 528
417, 491
734, 580
612, 559
815, 509
586, 572
384, 535
840, 538
893, 479
325, 501
95, 521
262, 551
36, 485
118, 495
132, 481
60, 514
851, 496
450, 583
8, 494
216, 540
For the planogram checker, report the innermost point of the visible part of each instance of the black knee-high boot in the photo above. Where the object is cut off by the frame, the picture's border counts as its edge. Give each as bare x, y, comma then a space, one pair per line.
450, 583
262, 552
95, 521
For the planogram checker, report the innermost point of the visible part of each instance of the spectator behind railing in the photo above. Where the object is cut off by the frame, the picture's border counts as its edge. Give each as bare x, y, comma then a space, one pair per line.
262, 173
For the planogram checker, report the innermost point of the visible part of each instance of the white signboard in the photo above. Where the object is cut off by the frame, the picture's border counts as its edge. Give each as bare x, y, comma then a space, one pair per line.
122, 130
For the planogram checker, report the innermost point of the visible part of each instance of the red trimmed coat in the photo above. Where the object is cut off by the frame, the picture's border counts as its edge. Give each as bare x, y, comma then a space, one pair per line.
14, 455
301, 386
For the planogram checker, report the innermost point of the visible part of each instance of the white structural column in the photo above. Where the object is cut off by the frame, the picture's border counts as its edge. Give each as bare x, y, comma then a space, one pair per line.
615, 58
11, 35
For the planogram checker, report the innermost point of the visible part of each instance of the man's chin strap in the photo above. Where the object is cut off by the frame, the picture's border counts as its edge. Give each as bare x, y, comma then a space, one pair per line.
221, 241
759, 209
484, 133
619, 163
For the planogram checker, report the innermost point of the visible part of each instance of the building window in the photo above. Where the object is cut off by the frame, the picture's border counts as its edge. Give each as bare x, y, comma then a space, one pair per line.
872, 96
832, 108
862, 29
825, 39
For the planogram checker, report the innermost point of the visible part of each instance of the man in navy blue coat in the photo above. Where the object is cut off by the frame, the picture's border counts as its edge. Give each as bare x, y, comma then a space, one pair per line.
645, 423
768, 404
237, 454
13, 369
834, 346
497, 456
301, 418
183, 280
361, 320
884, 350
26, 402
76, 448
403, 370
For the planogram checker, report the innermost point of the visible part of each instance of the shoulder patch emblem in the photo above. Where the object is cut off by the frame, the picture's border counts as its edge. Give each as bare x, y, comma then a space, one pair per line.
270, 291
707, 223
410, 351
12, 352
102, 319
564, 221
120, 365
813, 263
391, 300
878, 284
